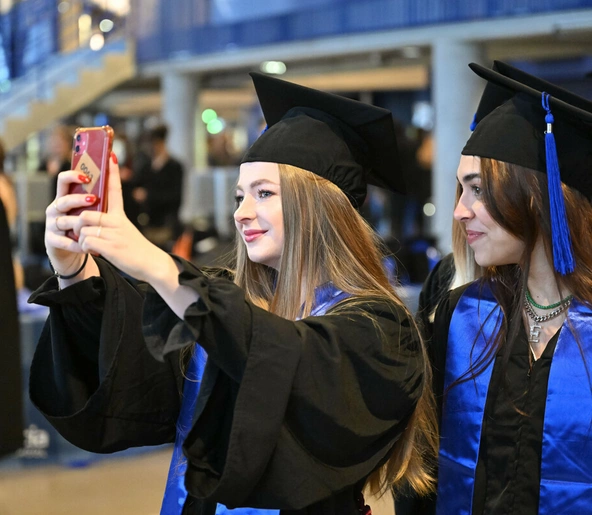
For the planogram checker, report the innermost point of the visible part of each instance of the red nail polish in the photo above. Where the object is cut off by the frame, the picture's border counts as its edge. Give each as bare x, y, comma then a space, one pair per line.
90, 198
114, 157
84, 178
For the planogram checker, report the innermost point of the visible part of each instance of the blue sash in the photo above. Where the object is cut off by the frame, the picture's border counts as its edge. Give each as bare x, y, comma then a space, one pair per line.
175, 493
566, 464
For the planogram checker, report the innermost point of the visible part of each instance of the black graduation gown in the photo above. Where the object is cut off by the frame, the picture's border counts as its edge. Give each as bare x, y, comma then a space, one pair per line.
290, 415
11, 387
433, 291
507, 479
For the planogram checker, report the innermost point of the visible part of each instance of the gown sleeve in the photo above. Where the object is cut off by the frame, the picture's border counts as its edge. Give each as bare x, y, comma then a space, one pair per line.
92, 376
289, 413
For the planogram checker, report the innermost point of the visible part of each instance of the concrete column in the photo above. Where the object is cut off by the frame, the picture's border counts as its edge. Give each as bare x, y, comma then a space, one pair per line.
456, 91
180, 111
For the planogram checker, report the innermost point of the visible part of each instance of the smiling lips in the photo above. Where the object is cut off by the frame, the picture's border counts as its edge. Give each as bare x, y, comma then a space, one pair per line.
472, 236
252, 234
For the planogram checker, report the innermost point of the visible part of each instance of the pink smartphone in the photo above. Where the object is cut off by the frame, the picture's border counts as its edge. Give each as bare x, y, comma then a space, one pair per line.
90, 156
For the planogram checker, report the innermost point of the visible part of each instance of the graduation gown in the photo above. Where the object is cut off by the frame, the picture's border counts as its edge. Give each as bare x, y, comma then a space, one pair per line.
507, 477
290, 415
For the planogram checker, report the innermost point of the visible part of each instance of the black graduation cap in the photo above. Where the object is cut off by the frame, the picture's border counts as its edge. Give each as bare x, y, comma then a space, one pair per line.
548, 132
496, 94
350, 143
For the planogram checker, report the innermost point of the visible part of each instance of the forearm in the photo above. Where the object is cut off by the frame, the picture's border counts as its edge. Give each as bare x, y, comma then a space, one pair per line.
163, 276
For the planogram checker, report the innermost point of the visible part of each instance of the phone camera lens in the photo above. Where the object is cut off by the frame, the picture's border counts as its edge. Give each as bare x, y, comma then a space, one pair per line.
78, 138
77, 148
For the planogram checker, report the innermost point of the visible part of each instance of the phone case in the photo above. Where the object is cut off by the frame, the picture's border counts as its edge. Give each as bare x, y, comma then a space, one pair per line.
90, 156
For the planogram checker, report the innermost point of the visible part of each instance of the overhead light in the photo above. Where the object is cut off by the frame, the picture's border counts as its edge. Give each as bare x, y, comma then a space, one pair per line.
216, 126
106, 25
208, 115
97, 41
84, 29
84, 22
429, 209
273, 67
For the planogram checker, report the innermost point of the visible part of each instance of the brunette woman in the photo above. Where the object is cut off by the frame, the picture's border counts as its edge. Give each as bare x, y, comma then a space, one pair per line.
514, 347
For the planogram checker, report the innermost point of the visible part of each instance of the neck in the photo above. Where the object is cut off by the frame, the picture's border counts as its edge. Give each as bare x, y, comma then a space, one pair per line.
541, 278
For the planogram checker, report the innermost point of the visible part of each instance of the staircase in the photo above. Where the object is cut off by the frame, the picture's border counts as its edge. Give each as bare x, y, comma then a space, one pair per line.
62, 86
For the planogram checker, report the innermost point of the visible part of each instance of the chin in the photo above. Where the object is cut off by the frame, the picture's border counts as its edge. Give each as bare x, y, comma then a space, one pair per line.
486, 262
261, 260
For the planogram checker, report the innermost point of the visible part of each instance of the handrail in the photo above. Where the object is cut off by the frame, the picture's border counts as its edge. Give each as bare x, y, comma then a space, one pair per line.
164, 34
39, 81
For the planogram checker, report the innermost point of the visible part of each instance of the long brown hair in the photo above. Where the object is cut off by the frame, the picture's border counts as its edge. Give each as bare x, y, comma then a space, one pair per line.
517, 199
325, 239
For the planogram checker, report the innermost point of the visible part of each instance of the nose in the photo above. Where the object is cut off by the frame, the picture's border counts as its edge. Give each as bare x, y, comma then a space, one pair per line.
462, 212
245, 211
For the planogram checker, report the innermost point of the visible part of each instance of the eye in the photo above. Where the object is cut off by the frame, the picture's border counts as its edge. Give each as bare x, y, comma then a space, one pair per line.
477, 191
238, 199
264, 193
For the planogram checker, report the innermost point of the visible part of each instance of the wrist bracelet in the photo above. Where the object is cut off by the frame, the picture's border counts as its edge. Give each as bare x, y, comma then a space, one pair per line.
70, 276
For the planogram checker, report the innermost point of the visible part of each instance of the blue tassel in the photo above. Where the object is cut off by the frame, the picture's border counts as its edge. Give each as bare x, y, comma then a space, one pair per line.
474, 122
563, 258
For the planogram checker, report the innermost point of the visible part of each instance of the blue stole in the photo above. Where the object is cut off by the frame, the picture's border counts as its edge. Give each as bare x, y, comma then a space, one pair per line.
175, 493
566, 461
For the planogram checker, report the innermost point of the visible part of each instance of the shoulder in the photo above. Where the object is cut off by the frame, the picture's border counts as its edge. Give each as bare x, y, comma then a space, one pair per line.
380, 316
449, 302
373, 306
435, 287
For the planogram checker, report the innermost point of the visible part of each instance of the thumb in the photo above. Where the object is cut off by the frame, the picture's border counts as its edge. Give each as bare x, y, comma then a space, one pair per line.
115, 196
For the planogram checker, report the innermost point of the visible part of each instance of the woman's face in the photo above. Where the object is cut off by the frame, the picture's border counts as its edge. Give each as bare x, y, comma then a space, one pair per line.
258, 216
491, 243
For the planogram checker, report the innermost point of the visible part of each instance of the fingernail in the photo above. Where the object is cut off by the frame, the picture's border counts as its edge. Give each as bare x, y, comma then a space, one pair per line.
84, 178
90, 198
114, 157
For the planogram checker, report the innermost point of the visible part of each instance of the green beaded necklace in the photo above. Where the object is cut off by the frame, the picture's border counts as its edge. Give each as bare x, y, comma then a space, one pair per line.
550, 306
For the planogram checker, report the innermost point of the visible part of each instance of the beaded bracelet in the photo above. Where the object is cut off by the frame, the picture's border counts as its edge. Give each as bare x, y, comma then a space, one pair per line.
61, 276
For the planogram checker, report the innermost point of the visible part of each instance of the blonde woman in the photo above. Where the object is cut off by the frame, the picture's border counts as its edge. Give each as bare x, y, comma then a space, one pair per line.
316, 380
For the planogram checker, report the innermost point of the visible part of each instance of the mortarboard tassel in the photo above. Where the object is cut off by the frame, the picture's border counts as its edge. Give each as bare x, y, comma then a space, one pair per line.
563, 259
474, 122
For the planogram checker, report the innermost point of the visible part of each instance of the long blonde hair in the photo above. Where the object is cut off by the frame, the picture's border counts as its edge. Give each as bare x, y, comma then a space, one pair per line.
325, 239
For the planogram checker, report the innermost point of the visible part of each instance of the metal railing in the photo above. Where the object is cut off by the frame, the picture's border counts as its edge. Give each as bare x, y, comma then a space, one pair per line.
163, 33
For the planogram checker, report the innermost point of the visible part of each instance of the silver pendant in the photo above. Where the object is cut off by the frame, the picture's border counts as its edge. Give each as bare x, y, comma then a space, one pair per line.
535, 332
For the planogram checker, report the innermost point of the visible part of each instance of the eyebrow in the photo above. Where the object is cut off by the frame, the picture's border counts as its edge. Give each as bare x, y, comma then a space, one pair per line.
469, 177
256, 183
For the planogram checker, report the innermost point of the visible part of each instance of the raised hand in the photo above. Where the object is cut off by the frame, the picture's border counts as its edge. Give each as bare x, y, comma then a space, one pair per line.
114, 237
65, 254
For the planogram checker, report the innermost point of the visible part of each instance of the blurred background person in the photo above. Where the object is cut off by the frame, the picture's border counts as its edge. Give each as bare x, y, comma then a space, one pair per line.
58, 154
11, 430
9, 201
158, 191
122, 148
